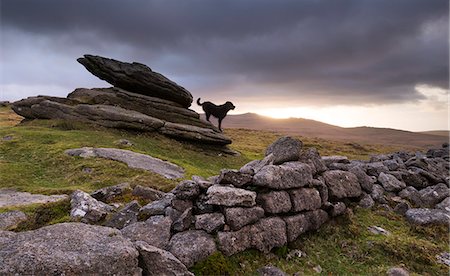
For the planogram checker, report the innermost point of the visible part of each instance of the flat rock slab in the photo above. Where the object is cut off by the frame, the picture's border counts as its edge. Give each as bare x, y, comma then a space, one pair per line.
132, 159
10, 197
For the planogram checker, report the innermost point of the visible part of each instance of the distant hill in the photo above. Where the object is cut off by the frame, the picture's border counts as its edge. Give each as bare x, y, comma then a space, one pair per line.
311, 128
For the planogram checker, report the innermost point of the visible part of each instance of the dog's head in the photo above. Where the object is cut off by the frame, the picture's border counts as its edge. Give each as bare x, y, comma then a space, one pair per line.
230, 105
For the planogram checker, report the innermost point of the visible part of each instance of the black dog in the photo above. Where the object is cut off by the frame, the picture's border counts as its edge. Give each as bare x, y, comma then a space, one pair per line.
218, 111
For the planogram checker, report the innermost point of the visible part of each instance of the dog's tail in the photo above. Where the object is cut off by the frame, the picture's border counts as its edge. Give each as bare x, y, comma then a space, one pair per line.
198, 102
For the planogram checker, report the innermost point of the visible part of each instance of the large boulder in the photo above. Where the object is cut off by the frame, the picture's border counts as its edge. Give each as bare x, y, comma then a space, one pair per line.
68, 249
192, 246
154, 231
136, 77
342, 184
285, 149
285, 176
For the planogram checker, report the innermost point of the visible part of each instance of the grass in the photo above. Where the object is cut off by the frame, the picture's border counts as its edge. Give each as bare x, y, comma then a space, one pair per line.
32, 159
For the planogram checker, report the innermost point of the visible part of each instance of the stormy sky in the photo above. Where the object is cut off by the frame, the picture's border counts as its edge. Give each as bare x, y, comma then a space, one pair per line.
266, 56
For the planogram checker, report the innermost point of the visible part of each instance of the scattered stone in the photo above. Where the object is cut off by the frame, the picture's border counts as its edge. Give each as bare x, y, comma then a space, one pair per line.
234, 177
378, 231
10, 197
238, 217
427, 216
147, 193
270, 271
192, 246
432, 195
186, 190
8, 138
128, 215
68, 249
123, 143
295, 254
183, 222
397, 271
390, 183
10, 220
133, 160
366, 202
108, 194
288, 175
342, 184
229, 196
87, 209
275, 202
155, 261
317, 269
284, 149
268, 233
444, 205
443, 258
211, 223
154, 231
156, 207
87, 170
305, 199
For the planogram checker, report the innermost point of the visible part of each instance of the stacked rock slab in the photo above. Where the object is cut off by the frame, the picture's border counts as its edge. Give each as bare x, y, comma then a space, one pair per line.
141, 100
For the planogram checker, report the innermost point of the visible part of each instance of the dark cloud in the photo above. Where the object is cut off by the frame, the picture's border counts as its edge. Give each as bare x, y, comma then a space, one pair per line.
355, 51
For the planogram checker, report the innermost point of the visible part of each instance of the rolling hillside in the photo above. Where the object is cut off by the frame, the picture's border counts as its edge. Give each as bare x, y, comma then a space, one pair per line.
311, 128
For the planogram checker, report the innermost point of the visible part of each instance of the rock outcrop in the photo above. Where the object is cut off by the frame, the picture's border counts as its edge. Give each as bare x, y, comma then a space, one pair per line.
140, 100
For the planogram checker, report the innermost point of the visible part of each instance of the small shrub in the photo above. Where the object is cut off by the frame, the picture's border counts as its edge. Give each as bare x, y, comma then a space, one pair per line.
216, 264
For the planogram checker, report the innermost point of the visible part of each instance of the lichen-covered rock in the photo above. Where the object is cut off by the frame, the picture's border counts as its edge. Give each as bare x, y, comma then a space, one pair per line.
255, 166
275, 202
154, 231
238, 217
68, 249
234, 177
268, 233
186, 190
156, 207
126, 216
328, 160
87, 209
375, 168
316, 218
364, 180
147, 193
312, 157
432, 195
390, 183
108, 194
319, 184
230, 196
342, 184
286, 176
366, 202
424, 216
305, 199
444, 205
192, 246
285, 149
231, 243
209, 222
155, 261
10, 220
337, 209
296, 225
183, 222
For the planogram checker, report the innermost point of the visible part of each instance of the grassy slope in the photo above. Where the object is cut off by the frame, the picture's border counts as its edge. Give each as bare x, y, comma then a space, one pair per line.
34, 161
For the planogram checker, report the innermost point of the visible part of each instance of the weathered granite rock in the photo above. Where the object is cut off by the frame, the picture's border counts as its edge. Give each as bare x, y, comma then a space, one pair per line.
192, 246
87, 209
234, 242
255, 166
136, 77
155, 261
229, 196
126, 216
209, 222
285, 176
133, 160
337, 209
312, 157
201, 206
108, 194
10, 220
270, 271
10, 197
186, 190
154, 231
364, 180
305, 199
268, 233
444, 205
432, 195
328, 160
285, 149
390, 183
366, 202
378, 230
234, 177
342, 184
68, 249
296, 225
147, 193
238, 217
427, 216
374, 169
156, 207
183, 222
181, 204
194, 133
397, 271
275, 202
402, 207
316, 218
378, 194
414, 179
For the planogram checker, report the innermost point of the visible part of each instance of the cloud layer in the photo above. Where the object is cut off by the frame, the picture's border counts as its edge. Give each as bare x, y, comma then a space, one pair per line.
314, 52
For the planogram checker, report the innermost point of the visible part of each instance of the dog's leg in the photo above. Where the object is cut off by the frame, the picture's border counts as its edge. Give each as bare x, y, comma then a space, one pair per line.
207, 116
220, 124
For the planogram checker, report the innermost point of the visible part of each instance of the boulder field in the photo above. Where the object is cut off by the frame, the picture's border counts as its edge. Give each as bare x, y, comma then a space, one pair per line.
265, 204
141, 100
